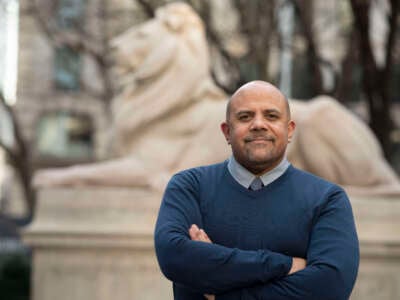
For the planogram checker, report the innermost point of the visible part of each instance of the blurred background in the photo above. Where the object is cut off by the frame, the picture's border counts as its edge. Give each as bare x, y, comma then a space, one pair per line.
56, 80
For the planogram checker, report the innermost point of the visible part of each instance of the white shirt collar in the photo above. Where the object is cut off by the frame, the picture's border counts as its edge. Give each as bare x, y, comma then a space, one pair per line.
245, 177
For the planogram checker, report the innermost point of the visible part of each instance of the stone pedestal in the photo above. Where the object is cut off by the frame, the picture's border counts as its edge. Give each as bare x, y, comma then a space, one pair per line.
378, 225
97, 244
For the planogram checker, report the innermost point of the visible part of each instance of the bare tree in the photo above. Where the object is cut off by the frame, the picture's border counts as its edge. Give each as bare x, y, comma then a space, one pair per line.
20, 158
204, 9
147, 8
304, 11
79, 39
344, 81
376, 79
258, 25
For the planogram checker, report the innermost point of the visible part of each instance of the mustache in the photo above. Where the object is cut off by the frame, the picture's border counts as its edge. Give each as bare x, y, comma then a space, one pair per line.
259, 137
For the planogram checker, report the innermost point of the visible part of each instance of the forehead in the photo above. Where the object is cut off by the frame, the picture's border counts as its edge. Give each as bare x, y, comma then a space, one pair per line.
258, 97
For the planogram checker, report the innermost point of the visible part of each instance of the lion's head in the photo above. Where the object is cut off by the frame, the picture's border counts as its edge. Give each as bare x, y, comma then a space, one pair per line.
160, 65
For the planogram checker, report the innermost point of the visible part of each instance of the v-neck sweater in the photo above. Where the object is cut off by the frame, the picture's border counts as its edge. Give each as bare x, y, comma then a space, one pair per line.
255, 234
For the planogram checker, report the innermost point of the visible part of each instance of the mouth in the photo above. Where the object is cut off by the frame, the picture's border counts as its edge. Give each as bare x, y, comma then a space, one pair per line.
258, 139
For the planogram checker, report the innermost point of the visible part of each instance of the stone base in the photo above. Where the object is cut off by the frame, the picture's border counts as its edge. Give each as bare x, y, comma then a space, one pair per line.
378, 226
97, 244
100, 274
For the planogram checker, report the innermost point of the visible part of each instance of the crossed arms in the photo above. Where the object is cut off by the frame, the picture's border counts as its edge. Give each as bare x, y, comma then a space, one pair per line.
197, 234
231, 273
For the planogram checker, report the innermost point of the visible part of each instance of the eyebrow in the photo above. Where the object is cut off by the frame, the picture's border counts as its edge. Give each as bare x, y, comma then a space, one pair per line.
270, 110
244, 112
273, 110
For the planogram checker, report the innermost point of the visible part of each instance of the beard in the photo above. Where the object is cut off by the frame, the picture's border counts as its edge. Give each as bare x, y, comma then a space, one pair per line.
259, 156
261, 153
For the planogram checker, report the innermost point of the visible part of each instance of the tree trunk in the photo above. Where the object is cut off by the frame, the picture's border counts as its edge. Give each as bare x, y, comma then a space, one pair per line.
345, 82
21, 161
304, 8
376, 79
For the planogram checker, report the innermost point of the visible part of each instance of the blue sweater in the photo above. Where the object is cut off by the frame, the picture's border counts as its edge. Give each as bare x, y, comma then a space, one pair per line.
255, 234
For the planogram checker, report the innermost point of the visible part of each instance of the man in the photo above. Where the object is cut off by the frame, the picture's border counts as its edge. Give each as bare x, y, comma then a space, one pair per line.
268, 230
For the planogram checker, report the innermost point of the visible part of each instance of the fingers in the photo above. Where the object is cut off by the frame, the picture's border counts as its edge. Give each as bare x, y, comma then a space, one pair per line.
204, 237
194, 232
298, 264
197, 234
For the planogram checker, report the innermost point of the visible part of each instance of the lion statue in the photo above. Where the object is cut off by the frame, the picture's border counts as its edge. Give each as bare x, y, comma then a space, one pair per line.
167, 116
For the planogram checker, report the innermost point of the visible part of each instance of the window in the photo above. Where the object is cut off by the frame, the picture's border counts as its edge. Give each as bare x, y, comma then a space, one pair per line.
67, 61
65, 135
67, 69
70, 13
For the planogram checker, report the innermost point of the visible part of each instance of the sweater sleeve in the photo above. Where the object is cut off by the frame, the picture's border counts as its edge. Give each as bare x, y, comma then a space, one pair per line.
206, 267
332, 260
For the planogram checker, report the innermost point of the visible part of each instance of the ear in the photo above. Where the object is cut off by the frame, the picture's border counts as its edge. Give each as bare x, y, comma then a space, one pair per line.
226, 131
291, 128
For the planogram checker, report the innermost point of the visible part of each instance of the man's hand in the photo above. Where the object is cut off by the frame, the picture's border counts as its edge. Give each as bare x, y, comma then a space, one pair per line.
297, 265
197, 234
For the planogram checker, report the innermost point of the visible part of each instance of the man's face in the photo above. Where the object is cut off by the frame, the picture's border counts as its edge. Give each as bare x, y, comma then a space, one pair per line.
258, 127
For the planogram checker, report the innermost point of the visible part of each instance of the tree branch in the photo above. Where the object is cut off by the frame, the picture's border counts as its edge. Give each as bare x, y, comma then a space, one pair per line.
394, 11
305, 20
374, 85
9, 151
345, 79
20, 159
78, 41
205, 13
147, 8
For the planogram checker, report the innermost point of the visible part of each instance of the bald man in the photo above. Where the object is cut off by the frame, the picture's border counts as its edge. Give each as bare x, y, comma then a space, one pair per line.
254, 226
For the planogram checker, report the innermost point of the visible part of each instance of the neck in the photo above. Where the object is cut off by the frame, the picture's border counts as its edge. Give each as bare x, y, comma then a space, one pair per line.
259, 169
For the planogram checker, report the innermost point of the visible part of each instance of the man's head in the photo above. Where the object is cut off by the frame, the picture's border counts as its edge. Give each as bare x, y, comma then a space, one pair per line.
258, 126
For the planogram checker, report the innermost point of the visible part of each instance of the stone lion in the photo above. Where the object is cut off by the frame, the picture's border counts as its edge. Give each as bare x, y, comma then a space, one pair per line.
167, 117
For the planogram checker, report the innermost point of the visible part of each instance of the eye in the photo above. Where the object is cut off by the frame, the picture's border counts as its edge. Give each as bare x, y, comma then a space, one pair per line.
272, 116
244, 117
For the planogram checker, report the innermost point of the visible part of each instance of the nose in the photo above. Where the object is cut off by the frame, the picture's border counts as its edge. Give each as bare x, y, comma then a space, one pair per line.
258, 123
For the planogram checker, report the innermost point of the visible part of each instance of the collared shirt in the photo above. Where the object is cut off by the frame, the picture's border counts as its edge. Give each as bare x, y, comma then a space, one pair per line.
245, 177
